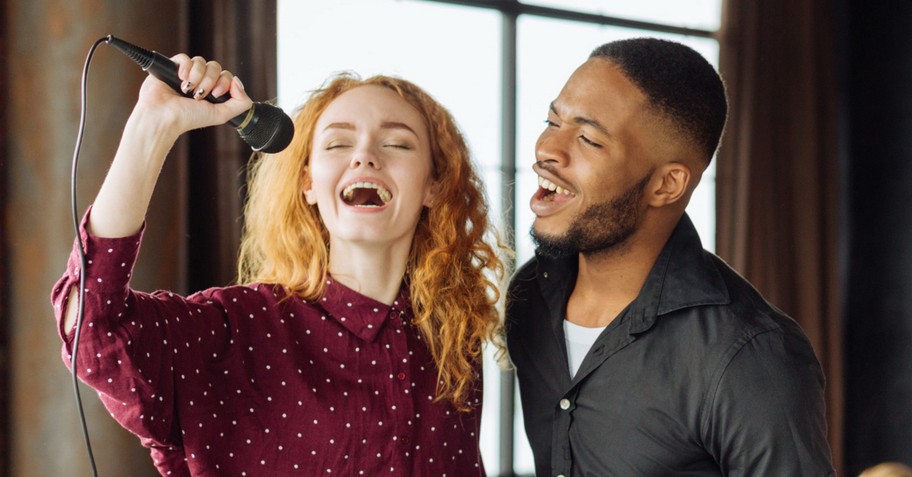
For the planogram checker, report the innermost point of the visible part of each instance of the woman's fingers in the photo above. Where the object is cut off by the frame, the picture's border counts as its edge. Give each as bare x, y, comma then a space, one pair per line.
189, 70
203, 76
198, 79
222, 84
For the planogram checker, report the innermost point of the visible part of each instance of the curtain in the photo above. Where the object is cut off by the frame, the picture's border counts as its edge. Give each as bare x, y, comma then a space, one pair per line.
4, 260
777, 172
241, 36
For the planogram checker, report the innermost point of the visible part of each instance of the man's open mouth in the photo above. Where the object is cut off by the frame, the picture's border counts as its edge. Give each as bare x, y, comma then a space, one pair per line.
550, 191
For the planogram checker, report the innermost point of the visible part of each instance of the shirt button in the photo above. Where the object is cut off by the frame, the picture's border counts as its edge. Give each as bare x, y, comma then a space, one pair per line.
564, 404
561, 475
401, 376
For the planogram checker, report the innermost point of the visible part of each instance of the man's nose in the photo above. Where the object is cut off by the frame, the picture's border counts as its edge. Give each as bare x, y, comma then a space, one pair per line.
552, 147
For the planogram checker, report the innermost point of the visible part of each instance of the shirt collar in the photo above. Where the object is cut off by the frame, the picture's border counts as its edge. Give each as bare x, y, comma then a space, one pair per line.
361, 315
683, 276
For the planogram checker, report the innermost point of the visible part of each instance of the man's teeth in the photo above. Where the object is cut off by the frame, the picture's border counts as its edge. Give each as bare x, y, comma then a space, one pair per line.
384, 194
546, 184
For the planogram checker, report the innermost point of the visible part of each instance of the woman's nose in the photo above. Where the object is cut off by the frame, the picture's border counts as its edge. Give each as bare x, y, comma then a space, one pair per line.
365, 157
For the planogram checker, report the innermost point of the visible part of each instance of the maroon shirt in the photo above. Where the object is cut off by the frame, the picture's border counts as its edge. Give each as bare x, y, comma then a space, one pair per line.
244, 381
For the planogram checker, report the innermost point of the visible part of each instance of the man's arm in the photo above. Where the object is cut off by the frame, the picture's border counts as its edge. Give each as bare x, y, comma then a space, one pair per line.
766, 413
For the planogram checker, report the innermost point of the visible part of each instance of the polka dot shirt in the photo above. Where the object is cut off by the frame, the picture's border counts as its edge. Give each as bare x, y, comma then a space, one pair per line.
243, 381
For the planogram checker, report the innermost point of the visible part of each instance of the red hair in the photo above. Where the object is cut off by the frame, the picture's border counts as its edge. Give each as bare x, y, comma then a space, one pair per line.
453, 265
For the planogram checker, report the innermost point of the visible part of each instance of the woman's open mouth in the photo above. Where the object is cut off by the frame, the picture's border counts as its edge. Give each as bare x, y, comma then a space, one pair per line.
366, 194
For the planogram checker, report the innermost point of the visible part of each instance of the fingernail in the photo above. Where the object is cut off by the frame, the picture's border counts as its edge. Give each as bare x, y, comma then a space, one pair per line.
186, 87
198, 93
239, 82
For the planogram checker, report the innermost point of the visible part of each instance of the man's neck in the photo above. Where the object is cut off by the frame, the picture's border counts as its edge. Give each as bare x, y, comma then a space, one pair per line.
605, 286
609, 281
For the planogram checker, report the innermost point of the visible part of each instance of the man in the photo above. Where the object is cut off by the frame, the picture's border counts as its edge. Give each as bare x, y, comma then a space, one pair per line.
638, 353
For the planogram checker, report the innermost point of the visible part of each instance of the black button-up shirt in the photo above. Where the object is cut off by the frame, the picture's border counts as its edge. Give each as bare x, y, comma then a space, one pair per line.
699, 375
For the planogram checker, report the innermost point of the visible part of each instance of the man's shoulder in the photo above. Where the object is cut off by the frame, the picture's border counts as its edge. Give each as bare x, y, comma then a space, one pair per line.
748, 304
523, 286
525, 274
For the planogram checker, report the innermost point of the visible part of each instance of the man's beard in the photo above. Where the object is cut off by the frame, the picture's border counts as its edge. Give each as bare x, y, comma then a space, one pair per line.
600, 228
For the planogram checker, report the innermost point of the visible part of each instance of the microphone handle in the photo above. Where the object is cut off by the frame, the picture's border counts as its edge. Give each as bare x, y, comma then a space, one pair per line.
264, 127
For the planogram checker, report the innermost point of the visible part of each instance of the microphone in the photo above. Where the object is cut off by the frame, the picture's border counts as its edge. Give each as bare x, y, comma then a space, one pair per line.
264, 127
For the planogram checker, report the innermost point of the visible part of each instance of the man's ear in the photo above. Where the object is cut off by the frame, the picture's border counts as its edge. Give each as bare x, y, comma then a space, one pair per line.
673, 180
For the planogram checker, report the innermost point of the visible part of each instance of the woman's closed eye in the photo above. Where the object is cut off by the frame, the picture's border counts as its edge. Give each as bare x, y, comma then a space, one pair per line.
406, 147
337, 145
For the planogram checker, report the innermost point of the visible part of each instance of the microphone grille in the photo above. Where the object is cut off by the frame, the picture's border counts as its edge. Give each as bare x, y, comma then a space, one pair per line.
270, 130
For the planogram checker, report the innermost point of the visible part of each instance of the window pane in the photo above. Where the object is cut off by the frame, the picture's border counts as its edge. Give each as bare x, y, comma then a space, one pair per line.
699, 14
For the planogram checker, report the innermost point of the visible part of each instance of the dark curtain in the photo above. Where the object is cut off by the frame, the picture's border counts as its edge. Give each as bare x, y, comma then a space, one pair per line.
777, 171
876, 83
193, 222
241, 36
4, 344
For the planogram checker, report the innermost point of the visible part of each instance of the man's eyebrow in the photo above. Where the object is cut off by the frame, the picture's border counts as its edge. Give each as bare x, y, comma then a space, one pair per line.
587, 121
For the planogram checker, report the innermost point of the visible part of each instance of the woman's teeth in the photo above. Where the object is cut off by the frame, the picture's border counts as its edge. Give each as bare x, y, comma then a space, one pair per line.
349, 193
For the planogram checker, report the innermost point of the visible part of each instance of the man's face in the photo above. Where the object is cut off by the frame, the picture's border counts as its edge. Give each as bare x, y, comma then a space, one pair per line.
593, 162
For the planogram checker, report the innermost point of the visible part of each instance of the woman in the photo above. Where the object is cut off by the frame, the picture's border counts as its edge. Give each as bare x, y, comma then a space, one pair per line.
353, 345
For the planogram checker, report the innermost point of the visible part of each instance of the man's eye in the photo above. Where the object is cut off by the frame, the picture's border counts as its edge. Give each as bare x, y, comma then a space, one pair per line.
550, 123
589, 142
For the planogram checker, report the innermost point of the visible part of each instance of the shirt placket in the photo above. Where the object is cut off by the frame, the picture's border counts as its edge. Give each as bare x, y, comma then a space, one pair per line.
561, 455
402, 390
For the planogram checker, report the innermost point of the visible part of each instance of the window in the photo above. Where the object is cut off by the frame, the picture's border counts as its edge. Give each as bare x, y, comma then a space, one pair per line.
462, 53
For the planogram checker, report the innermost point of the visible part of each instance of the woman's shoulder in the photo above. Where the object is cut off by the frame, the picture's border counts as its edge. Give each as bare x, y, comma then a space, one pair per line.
249, 294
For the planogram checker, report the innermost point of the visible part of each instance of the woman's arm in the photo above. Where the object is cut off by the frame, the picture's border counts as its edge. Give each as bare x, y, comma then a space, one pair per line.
159, 117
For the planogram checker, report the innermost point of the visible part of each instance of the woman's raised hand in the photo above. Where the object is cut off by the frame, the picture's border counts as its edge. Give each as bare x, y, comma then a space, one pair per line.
171, 112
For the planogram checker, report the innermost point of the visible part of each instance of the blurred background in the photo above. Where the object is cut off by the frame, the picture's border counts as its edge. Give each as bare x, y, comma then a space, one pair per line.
808, 197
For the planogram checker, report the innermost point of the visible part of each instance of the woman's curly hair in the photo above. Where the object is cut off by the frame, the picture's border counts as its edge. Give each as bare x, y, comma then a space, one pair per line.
454, 267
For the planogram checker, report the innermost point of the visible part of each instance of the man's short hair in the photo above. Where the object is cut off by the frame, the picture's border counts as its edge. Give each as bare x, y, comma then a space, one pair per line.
678, 82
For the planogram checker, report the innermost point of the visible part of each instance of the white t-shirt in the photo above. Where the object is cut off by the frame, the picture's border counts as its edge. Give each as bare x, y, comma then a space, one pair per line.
579, 340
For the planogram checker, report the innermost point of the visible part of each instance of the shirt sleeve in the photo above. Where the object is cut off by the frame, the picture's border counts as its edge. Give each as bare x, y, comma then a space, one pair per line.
134, 346
766, 416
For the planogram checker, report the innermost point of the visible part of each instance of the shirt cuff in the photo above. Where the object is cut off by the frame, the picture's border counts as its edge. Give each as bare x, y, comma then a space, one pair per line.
109, 260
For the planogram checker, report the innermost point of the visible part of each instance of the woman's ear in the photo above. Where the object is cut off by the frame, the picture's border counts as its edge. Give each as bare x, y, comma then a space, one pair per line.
310, 196
430, 195
674, 180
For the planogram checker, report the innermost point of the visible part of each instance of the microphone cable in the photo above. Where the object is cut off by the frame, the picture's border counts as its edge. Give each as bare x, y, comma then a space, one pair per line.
82, 255
268, 129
